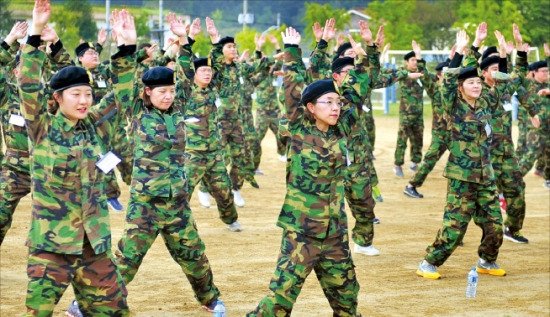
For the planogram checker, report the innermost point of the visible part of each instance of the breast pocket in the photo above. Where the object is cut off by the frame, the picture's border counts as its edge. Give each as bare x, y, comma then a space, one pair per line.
63, 172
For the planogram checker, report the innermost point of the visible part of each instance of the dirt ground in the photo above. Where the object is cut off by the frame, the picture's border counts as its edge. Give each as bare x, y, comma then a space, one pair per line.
244, 262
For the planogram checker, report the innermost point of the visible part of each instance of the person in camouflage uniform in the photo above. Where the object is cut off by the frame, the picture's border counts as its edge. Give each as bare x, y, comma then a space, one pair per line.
69, 239
268, 113
15, 178
229, 82
88, 57
538, 142
313, 218
471, 191
159, 193
411, 121
204, 153
439, 142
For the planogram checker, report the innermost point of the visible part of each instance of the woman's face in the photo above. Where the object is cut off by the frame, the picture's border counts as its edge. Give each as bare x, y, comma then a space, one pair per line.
326, 110
161, 97
471, 88
75, 102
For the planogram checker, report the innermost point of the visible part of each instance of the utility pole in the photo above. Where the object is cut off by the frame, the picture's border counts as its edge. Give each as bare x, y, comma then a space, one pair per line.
278, 20
245, 9
161, 24
108, 21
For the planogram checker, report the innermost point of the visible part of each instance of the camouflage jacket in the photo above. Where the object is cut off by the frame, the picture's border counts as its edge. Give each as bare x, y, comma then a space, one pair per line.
470, 130
433, 90
229, 81
266, 89
314, 201
411, 106
319, 63
501, 119
68, 203
160, 141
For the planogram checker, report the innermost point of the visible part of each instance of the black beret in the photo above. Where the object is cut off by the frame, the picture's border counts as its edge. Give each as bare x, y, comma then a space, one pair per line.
488, 51
468, 72
71, 76
342, 49
341, 62
200, 62
536, 65
227, 39
409, 55
317, 89
441, 65
489, 61
158, 77
82, 48
143, 45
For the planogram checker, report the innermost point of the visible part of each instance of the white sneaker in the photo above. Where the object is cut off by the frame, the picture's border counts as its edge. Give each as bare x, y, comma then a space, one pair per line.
370, 250
237, 198
282, 158
259, 172
204, 199
235, 227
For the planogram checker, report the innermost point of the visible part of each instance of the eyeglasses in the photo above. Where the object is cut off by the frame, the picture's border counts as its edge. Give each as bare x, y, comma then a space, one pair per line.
91, 53
331, 103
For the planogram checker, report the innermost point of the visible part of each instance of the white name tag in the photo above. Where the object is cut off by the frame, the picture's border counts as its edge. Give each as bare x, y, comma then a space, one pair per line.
101, 84
107, 162
488, 129
254, 96
508, 106
275, 83
218, 102
348, 161
365, 108
419, 82
17, 120
241, 80
192, 120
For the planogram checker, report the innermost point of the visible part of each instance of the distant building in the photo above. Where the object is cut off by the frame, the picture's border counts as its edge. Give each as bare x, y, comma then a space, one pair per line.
356, 15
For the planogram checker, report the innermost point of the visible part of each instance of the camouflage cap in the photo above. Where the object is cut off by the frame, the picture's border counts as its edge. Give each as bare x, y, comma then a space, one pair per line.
158, 77
317, 89
71, 76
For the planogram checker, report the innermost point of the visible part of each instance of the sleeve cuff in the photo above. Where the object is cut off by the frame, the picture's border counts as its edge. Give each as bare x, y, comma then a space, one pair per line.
56, 47
34, 40
5, 45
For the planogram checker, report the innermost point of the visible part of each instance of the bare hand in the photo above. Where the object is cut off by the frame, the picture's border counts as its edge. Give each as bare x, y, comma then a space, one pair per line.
453, 51
517, 37
416, 49
501, 43
481, 34
535, 121
212, 31
414, 75
317, 31
380, 37
244, 55
544, 92
356, 46
509, 47
18, 31
329, 31
462, 41
546, 49
365, 32
279, 56
291, 36
151, 50
195, 28
40, 16
49, 35
102, 37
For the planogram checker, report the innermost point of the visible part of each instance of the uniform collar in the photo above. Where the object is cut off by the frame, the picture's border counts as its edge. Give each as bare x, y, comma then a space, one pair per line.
67, 125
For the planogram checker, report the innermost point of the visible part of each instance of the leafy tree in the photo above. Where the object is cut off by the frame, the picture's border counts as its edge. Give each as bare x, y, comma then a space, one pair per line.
436, 20
65, 26
499, 15
400, 25
202, 45
320, 13
143, 31
6, 21
537, 23
87, 28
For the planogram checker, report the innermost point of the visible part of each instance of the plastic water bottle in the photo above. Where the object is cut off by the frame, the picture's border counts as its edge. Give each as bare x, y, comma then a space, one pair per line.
472, 283
219, 310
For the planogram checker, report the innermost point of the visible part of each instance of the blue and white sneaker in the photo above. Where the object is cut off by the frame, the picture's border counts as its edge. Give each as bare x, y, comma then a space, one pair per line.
74, 310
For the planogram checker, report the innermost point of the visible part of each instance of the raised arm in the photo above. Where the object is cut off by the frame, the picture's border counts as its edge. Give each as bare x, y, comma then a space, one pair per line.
293, 82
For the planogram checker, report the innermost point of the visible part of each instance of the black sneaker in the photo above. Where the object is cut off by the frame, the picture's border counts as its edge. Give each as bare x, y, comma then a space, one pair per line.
411, 192
516, 237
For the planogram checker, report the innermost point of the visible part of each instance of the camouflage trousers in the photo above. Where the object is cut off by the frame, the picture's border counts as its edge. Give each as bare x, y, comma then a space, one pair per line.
331, 260
371, 128
360, 201
525, 140
15, 183
510, 183
209, 168
96, 281
146, 218
233, 141
435, 151
411, 130
268, 119
538, 149
466, 200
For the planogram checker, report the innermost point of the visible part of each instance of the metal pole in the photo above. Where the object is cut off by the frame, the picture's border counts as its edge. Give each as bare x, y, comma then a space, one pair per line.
245, 9
278, 20
161, 23
108, 21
